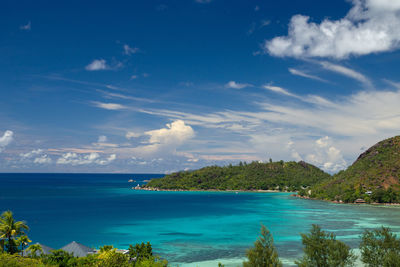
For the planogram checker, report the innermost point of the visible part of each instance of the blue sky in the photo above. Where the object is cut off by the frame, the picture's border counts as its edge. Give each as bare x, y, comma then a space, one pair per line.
161, 86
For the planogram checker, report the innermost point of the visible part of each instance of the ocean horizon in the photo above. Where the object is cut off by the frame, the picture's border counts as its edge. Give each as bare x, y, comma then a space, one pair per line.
187, 228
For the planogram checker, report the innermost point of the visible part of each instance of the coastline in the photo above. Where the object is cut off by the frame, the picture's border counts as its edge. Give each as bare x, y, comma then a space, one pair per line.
208, 190
341, 202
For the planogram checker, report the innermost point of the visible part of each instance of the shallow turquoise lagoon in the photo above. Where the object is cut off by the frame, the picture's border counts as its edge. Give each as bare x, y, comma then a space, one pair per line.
187, 228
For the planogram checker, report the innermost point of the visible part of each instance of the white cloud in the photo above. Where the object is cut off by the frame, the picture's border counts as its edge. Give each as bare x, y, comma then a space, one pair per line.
326, 156
235, 85
26, 27
203, 1
73, 158
347, 72
371, 26
165, 140
6, 139
97, 64
109, 106
279, 90
306, 75
31, 154
102, 139
44, 159
130, 135
130, 50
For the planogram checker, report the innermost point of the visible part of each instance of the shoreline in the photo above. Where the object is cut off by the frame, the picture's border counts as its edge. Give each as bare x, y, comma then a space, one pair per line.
208, 190
341, 202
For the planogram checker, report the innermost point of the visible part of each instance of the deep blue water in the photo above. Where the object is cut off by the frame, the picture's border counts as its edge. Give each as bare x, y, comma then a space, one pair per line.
185, 227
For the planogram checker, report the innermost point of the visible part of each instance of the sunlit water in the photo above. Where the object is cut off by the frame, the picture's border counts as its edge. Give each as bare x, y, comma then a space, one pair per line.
187, 228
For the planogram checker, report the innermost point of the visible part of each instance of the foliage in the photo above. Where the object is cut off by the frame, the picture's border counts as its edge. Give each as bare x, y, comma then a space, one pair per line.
10, 230
142, 256
58, 257
380, 246
15, 260
284, 176
35, 250
376, 170
112, 258
264, 253
323, 250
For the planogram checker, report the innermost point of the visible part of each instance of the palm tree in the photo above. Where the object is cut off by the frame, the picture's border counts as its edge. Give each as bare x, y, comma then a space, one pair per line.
23, 241
10, 229
34, 249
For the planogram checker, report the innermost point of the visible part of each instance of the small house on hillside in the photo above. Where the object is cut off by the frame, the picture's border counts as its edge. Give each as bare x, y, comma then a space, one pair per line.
78, 250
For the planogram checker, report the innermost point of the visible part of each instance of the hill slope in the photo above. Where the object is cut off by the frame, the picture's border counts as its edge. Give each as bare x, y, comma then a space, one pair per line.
285, 175
374, 176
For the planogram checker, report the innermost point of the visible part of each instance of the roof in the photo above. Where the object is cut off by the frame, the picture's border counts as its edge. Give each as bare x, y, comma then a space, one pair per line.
46, 250
78, 250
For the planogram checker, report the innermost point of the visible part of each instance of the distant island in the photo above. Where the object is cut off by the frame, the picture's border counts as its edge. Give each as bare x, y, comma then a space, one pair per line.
372, 178
280, 176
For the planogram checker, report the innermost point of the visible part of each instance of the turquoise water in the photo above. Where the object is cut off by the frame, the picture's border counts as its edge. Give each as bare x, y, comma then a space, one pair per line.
187, 228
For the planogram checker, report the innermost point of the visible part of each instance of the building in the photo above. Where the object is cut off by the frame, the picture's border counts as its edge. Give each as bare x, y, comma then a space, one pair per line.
77, 249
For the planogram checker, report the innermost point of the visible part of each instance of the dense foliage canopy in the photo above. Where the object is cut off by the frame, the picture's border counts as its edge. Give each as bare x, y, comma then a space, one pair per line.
373, 177
287, 176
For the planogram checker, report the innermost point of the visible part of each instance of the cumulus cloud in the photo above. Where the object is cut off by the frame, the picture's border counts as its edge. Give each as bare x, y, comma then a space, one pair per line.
165, 140
31, 154
371, 26
235, 85
26, 27
37, 156
97, 64
326, 156
130, 50
43, 159
130, 135
6, 139
74, 159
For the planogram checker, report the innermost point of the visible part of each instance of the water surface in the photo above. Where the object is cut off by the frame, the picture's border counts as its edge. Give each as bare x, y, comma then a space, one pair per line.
189, 228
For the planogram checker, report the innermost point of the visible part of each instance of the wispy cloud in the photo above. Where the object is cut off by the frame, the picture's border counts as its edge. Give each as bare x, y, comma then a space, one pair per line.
109, 106
279, 90
306, 75
26, 27
203, 1
236, 85
130, 50
347, 72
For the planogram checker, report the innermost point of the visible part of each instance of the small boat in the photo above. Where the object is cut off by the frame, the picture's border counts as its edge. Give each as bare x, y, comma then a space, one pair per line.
131, 181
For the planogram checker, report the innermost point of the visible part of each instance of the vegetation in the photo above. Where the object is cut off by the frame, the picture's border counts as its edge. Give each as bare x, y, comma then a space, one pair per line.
323, 250
380, 247
285, 176
373, 177
264, 252
13, 233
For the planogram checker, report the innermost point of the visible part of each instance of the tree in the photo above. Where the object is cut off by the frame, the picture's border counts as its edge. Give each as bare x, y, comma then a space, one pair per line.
10, 229
112, 258
23, 241
321, 249
263, 254
35, 250
379, 246
58, 257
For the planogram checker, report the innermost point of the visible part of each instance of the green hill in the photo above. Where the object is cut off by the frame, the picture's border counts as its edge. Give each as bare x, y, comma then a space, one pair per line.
374, 177
289, 176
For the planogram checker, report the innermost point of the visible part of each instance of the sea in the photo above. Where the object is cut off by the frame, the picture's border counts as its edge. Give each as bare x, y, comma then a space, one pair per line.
187, 228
